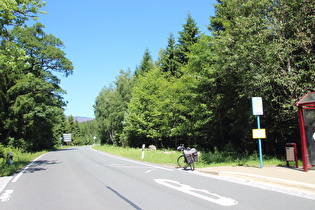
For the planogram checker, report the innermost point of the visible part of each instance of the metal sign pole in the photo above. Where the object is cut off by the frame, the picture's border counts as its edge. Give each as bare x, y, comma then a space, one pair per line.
258, 110
259, 143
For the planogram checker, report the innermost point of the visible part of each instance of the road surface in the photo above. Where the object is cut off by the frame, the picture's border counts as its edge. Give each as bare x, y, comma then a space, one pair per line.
82, 178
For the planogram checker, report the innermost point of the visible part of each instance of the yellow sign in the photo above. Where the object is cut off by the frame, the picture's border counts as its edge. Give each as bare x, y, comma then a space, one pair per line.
259, 133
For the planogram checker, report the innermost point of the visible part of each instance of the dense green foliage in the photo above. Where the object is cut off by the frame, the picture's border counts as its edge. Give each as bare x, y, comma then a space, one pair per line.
110, 108
31, 100
81, 133
199, 91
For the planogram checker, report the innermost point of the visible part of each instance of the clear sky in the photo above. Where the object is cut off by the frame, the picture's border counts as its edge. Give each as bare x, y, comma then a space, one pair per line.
101, 37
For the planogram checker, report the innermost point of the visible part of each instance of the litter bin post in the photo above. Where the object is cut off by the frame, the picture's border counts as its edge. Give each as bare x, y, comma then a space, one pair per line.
291, 153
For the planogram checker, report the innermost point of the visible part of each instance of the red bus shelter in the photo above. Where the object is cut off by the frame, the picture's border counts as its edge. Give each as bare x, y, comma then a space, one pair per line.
306, 111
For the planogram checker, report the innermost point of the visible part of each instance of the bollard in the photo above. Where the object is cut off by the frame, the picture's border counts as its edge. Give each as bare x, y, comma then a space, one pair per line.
143, 146
11, 158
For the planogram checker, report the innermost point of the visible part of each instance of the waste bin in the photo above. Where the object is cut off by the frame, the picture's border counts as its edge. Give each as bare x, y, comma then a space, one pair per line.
291, 153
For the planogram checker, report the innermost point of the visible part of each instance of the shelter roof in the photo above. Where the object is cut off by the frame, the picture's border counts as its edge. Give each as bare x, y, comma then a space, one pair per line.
307, 100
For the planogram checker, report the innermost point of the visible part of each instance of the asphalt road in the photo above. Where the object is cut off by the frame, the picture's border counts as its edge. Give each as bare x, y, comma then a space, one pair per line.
82, 178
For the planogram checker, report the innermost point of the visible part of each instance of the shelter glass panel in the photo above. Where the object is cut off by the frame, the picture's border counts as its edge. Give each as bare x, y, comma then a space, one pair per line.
309, 120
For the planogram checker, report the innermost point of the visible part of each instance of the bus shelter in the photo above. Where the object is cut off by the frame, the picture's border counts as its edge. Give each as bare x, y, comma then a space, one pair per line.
306, 112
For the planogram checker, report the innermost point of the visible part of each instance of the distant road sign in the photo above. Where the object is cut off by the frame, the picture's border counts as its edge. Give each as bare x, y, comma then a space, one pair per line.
67, 137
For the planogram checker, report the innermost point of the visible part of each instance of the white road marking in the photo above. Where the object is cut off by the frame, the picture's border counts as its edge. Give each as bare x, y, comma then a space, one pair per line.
199, 193
21, 173
150, 171
6, 195
129, 160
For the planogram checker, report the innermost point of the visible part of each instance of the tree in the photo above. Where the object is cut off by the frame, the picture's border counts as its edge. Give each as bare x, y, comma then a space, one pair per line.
169, 62
110, 108
146, 64
15, 13
146, 120
30, 93
12, 58
187, 38
260, 55
88, 130
72, 127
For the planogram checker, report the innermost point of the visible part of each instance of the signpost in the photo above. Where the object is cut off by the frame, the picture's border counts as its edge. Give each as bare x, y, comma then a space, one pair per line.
67, 137
258, 133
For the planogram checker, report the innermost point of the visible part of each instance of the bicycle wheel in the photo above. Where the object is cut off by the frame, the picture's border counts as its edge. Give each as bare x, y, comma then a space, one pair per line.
182, 162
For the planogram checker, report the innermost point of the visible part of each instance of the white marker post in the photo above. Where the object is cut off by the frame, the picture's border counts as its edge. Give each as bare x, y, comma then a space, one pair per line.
257, 111
11, 158
94, 141
60, 138
143, 146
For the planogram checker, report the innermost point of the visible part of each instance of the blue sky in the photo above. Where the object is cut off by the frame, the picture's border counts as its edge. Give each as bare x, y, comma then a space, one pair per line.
101, 37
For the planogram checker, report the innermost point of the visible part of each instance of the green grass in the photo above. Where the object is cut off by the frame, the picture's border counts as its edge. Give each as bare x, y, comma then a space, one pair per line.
20, 159
159, 156
210, 159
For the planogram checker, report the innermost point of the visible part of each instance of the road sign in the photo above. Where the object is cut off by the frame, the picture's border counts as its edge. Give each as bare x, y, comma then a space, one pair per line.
257, 106
67, 137
259, 133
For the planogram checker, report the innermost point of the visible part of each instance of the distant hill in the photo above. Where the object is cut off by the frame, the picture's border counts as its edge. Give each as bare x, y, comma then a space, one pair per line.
82, 119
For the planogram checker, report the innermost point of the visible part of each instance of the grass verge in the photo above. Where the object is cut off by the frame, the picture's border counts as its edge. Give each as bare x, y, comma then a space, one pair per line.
207, 159
20, 159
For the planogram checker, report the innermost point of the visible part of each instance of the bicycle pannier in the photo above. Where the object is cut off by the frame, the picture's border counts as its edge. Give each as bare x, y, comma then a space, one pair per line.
189, 159
195, 154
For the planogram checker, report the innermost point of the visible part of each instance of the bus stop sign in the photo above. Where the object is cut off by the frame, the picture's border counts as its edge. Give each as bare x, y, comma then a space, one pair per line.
257, 106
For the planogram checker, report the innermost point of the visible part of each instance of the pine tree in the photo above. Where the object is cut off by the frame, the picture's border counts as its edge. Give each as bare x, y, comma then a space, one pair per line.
188, 37
169, 62
146, 64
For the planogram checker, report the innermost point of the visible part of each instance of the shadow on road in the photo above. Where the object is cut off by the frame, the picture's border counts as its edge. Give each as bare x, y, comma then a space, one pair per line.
40, 165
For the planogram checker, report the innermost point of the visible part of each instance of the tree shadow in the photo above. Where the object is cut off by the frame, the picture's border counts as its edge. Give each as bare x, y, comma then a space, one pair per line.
39, 165
65, 149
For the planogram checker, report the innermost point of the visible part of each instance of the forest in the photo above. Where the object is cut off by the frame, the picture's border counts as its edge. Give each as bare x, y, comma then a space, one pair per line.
198, 92
31, 99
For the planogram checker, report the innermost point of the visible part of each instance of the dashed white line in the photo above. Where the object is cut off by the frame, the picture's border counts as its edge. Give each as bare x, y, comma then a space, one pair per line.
150, 171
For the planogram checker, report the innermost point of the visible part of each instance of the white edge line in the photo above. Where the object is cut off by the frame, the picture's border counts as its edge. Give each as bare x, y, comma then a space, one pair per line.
21, 173
132, 161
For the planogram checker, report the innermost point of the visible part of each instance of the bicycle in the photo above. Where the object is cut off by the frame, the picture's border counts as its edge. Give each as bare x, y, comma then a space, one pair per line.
188, 158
